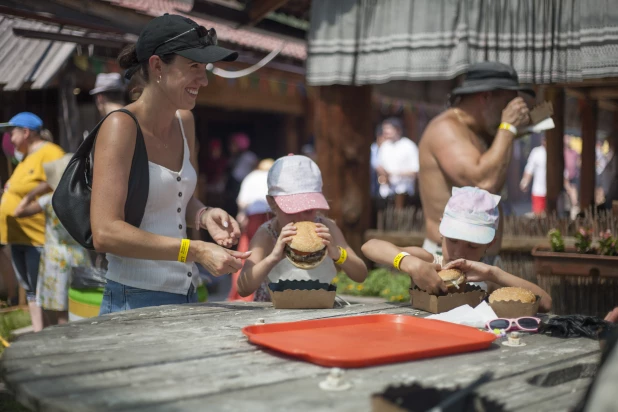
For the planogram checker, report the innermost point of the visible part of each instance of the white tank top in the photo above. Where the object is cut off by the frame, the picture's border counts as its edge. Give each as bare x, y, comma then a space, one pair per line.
169, 193
285, 270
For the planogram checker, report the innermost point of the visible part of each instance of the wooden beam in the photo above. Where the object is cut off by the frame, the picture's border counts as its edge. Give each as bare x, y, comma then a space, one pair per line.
608, 105
219, 94
580, 93
605, 96
603, 82
555, 149
131, 20
69, 38
54, 19
603, 93
208, 10
589, 114
343, 134
258, 9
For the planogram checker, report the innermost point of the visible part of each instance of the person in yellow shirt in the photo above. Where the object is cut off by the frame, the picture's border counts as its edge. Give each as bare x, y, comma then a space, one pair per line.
26, 236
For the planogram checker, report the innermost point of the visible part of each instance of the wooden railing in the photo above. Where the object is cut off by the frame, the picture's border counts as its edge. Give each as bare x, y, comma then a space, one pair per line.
509, 243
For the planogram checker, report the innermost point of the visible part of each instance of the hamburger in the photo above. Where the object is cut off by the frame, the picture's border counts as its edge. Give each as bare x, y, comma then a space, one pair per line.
454, 279
306, 250
512, 294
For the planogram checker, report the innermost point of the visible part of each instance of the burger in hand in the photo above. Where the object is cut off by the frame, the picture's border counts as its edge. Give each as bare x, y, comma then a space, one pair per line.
454, 279
306, 250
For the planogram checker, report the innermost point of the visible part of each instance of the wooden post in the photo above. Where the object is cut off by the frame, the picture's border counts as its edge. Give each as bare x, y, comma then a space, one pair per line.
291, 135
589, 111
555, 149
343, 135
410, 125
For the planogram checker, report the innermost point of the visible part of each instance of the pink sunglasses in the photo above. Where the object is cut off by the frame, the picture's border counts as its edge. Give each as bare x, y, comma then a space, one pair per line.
527, 324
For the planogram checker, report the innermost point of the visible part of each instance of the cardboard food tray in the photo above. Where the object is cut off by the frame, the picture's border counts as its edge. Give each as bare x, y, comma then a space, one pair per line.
515, 309
334, 342
302, 295
541, 112
438, 304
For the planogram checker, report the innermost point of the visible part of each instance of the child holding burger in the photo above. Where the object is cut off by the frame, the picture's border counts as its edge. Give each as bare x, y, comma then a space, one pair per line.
468, 229
299, 243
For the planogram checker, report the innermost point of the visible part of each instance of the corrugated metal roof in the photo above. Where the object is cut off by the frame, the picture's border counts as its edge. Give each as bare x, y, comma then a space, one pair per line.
243, 37
24, 60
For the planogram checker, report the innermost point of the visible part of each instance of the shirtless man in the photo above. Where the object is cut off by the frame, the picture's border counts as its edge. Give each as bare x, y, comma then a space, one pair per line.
470, 144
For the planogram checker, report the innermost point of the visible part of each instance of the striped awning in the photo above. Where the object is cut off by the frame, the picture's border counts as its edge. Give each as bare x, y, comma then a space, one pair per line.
547, 41
29, 61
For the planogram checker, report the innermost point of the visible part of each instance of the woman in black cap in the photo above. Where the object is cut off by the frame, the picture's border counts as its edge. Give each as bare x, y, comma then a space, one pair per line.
153, 264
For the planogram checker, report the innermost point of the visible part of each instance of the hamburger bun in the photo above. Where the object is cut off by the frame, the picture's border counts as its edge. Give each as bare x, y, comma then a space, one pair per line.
512, 294
454, 279
306, 250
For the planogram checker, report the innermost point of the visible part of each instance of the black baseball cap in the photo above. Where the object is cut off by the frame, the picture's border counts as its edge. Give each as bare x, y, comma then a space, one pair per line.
179, 35
488, 76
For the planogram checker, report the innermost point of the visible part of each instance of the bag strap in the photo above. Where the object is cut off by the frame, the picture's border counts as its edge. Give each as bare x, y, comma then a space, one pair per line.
87, 147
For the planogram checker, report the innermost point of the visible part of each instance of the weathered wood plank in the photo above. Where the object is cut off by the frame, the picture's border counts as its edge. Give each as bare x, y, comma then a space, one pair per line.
305, 394
169, 383
133, 345
181, 359
83, 336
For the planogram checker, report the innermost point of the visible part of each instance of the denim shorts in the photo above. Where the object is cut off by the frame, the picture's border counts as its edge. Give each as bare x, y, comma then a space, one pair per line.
118, 298
26, 261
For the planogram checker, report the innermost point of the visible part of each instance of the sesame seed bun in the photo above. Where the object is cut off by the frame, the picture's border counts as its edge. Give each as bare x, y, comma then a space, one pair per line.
454, 279
306, 250
306, 239
512, 294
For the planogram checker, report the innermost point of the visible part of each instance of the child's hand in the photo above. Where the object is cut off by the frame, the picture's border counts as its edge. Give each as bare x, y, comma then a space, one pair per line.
475, 271
423, 274
285, 237
324, 233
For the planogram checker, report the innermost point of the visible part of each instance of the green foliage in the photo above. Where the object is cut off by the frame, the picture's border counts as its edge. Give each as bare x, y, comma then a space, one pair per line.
556, 241
10, 321
583, 240
607, 244
380, 282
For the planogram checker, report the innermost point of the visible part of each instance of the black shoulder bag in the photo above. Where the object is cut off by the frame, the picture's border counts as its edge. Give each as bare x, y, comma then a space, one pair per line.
71, 199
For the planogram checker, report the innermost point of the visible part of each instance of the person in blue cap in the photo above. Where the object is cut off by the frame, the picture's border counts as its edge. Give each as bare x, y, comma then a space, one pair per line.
26, 236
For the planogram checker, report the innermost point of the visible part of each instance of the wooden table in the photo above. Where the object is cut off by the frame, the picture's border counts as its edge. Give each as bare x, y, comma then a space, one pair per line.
194, 357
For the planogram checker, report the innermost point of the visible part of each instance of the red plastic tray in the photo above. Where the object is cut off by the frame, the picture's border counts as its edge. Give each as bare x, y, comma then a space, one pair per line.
358, 341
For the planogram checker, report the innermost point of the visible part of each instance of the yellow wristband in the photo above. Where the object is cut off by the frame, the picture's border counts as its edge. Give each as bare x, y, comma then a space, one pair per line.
342, 257
509, 127
398, 259
184, 250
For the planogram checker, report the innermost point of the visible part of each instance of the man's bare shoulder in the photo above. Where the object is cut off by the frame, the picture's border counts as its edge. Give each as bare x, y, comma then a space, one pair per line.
441, 129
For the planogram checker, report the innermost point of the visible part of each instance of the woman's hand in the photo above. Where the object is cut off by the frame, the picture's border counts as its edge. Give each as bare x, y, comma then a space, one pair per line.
221, 226
217, 260
324, 233
285, 237
475, 271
